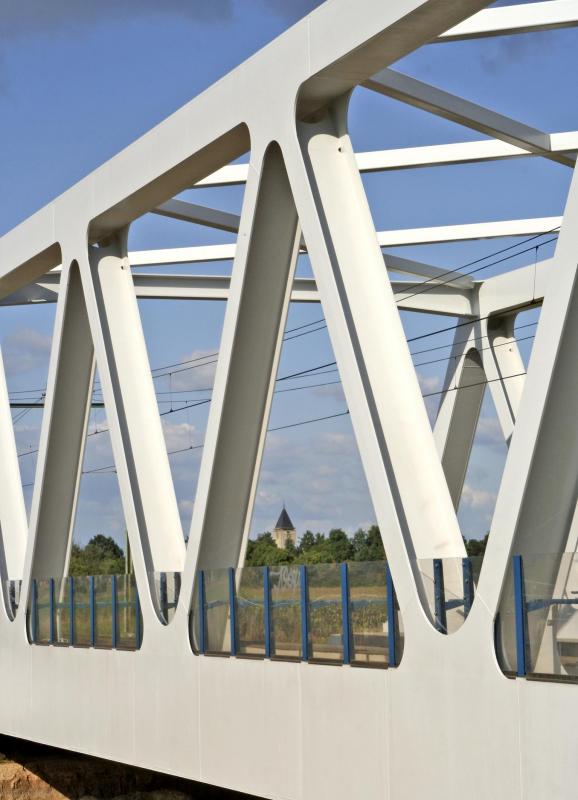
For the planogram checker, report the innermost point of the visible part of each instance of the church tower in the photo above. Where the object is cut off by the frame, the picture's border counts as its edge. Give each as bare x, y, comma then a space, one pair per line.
284, 530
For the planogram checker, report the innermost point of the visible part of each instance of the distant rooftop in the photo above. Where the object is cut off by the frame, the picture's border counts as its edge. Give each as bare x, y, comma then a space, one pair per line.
284, 521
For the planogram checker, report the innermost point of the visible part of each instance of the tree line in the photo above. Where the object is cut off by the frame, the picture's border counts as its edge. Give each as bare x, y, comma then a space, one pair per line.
335, 548
103, 556
316, 548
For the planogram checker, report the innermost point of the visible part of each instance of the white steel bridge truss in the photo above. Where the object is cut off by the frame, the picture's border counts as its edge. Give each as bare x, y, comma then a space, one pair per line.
343, 732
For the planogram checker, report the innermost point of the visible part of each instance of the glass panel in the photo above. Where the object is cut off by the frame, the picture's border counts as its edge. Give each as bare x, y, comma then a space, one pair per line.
103, 610
399, 639
325, 620
127, 607
551, 617
551, 587
368, 612
167, 587
43, 611
13, 595
250, 625
285, 586
453, 582
194, 617
61, 611
217, 630
82, 611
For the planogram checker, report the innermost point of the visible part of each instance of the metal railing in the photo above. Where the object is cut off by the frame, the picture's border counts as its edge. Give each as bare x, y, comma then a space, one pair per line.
537, 626
330, 613
449, 585
86, 611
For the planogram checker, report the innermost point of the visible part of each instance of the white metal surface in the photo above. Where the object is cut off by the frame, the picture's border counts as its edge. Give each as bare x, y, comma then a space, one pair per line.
446, 723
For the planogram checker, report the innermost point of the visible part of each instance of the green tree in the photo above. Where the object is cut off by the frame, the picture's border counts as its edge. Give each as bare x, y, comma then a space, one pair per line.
375, 549
336, 548
340, 546
263, 551
101, 556
291, 550
360, 549
476, 547
306, 542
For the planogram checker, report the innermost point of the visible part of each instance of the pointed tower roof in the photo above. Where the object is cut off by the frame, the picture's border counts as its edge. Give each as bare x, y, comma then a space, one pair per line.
284, 521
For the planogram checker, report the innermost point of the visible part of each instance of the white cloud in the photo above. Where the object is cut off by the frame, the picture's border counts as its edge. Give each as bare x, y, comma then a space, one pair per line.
179, 434
25, 350
477, 498
201, 375
429, 383
489, 432
320, 478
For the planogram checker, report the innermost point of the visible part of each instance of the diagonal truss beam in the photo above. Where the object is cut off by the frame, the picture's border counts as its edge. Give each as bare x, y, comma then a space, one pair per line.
63, 432
442, 298
459, 410
213, 218
380, 384
504, 368
407, 266
521, 18
246, 370
137, 440
415, 157
13, 521
537, 498
456, 109
393, 238
201, 215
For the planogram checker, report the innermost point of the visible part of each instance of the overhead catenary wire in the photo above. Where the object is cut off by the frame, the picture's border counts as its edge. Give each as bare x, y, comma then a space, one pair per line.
111, 468
199, 446
430, 284
460, 270
317, 369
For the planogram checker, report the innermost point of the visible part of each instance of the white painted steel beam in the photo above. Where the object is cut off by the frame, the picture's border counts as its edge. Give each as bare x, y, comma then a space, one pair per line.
435, 299
467, 232
415, 157
120, 705
517, 288
521, 18
537, 497
392, 238
201, 215
13, 520
504, 368
456, 109
182, 255
377, 374
442, 298
144, 475
251, 344
63, 433
405, 266
459, 410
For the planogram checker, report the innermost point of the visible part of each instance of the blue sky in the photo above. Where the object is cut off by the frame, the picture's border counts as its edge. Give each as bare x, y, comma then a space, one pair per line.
80, 81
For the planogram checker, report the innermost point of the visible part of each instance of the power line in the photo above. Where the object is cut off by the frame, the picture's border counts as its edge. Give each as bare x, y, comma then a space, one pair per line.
478, 349
316, 370
464, 341
101, 470
435, 281
185, 407
471, 385
428, 285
